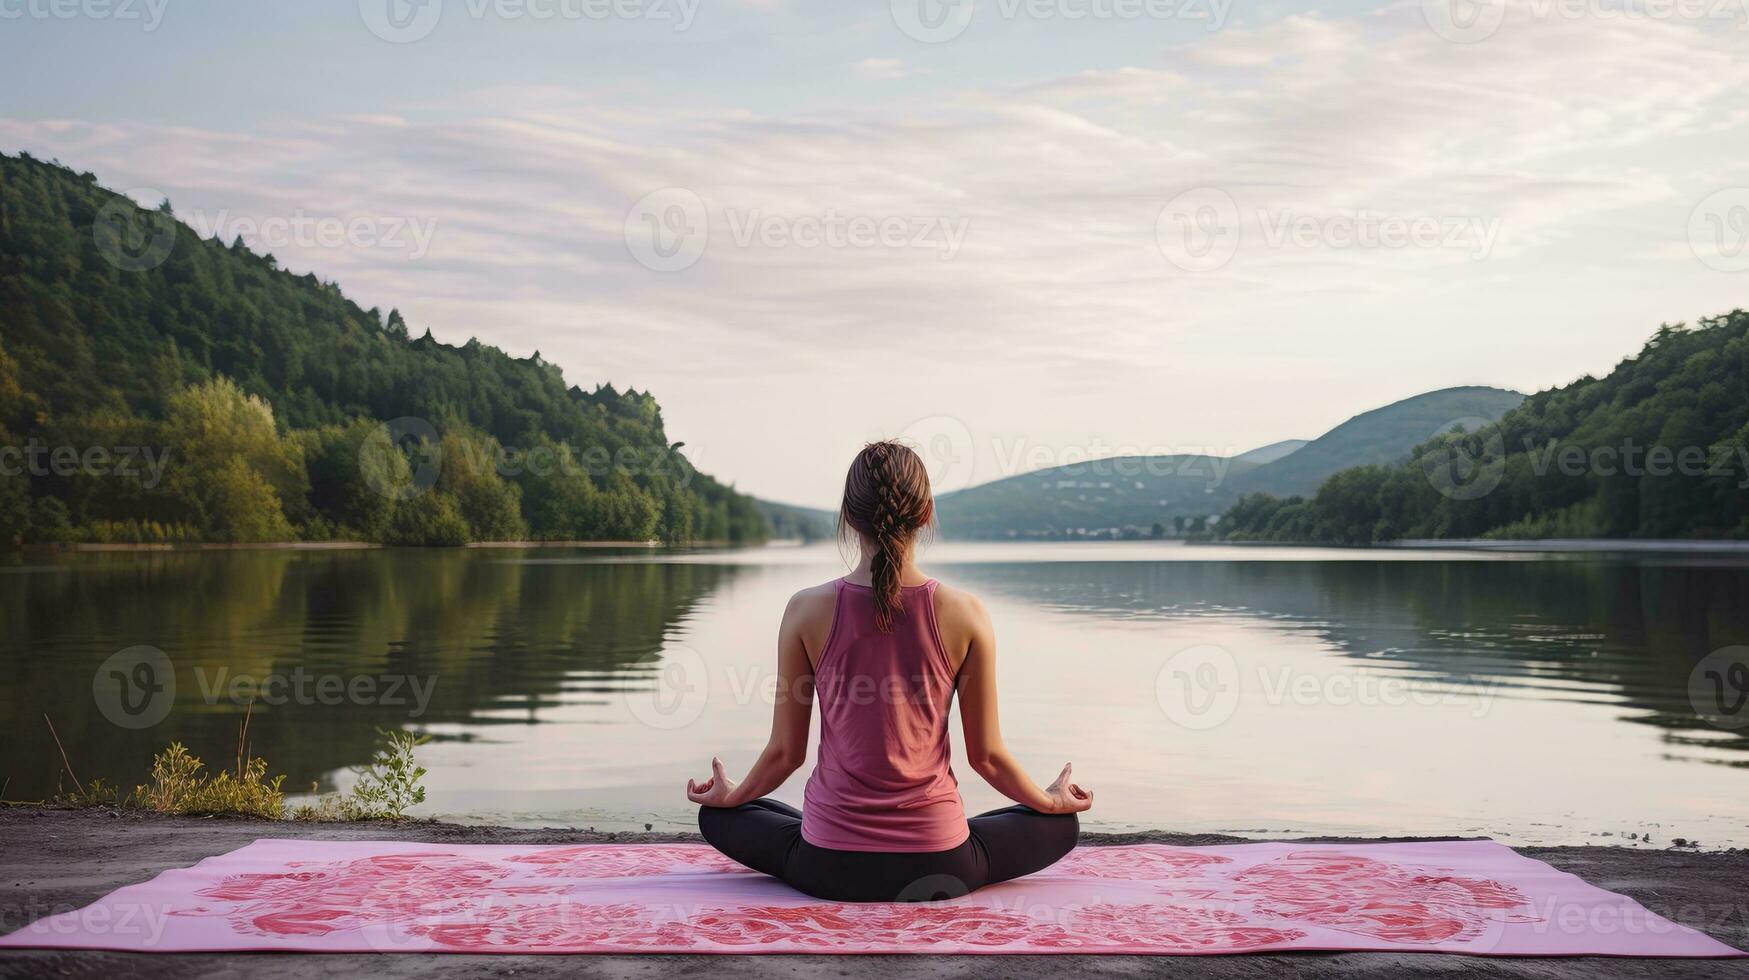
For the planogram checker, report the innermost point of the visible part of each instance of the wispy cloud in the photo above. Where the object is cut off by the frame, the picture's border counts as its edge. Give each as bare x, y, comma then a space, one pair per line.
884, 69
1578, 146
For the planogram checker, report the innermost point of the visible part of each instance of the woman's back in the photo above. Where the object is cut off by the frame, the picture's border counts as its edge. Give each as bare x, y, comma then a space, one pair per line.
884, 661
883, 779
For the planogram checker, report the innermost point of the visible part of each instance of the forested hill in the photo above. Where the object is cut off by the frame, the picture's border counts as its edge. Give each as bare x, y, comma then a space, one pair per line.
1156, 496
267, 397
1658, 448
794, 523
1383, 435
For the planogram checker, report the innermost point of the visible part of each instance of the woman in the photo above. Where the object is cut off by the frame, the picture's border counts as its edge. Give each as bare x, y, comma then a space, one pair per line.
883, 650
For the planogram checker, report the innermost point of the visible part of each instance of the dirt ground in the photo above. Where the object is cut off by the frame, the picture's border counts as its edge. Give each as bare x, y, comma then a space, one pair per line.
56, 860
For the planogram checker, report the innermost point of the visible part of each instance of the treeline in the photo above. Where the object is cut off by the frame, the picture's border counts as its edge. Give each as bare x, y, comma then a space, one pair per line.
1658, 448
791, 523
270, 407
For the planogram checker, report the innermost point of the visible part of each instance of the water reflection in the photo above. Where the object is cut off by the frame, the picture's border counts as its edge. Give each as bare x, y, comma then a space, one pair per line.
530, 651
492, 641
1625, 633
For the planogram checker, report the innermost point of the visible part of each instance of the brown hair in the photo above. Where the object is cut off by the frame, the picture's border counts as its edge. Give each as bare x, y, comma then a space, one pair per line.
887, 500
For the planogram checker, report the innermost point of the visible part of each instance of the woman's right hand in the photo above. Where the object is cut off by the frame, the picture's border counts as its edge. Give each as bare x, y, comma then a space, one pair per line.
1065, 796
718, 790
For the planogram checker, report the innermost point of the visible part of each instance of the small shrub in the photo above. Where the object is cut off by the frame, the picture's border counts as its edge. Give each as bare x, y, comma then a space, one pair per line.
331, 808
178, 786
389, 785
95, 793
385, 790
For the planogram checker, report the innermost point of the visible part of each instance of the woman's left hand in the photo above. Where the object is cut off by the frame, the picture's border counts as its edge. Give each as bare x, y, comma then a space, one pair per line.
1066, 796
715, 791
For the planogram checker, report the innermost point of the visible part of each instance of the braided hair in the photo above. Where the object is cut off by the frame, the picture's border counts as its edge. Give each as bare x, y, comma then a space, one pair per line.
887, 501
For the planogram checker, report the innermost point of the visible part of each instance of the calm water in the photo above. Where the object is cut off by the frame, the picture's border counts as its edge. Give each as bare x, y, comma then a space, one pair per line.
1196, 689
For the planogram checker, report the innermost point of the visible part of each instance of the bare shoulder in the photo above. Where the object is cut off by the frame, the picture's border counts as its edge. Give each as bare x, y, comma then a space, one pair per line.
813, 602
959, 612
808, 618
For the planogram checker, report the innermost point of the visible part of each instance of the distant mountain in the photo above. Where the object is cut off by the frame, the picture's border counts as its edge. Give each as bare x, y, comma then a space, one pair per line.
1122, 496
1151, 496
1273, 451
1383, 435
1658, 448
790, 522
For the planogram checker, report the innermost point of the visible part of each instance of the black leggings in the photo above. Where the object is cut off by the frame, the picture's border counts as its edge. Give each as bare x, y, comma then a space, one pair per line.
766, 835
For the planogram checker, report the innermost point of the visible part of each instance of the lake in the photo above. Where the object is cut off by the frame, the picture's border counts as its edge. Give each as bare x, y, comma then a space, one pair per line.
1551, 699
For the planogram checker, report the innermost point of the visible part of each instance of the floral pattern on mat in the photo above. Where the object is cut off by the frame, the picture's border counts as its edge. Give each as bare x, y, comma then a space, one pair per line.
825, 927
1206, 902
1379, 899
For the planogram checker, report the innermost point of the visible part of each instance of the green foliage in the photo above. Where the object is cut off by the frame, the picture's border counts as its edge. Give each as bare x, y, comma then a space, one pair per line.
491, 506
179, 786
386, 788
329, 808
1381, 437
558, 496
389, 786
799, 523
430, 520
1576, 461
1125, 496
92, 794
230, 466
346, 478
265, 388
129, 531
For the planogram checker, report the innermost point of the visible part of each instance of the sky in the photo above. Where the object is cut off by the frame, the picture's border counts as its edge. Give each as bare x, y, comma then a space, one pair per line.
1019, 233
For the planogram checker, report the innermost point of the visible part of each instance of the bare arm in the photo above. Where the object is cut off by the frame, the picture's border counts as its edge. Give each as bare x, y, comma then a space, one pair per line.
987, 754
787, 747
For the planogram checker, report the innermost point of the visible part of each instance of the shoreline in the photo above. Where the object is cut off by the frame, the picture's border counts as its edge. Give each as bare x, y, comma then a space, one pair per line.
87, 546
1562, 546
63, 859
1540, 546
1548, 546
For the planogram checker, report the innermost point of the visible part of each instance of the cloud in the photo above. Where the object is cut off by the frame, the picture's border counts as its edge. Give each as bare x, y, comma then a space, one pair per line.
1574, 139
884, 69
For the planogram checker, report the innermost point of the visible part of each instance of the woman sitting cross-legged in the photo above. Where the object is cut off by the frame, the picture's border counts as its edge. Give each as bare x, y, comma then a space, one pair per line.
883, 650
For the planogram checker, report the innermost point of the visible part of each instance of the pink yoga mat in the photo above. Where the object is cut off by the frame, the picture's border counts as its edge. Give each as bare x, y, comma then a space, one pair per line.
1475, 897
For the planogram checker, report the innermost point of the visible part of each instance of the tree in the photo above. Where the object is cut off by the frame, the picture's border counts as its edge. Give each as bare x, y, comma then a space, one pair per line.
242, 506
196, 347
428, 520
230, 470
352, 487
1656, 442
491, 505
557, 495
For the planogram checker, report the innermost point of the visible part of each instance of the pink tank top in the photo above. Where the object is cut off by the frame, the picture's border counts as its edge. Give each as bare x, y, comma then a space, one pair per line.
882, 780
